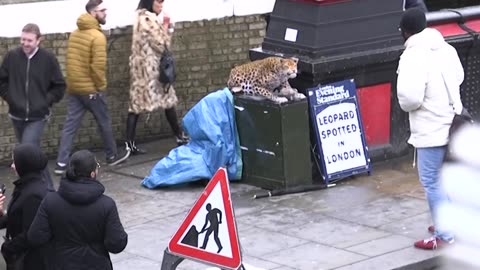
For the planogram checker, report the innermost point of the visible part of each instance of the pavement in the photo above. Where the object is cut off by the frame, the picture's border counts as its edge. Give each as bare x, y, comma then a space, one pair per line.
364, 222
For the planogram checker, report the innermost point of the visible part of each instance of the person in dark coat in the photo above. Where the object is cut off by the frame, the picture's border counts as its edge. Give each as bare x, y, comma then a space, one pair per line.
80, 222
29, 162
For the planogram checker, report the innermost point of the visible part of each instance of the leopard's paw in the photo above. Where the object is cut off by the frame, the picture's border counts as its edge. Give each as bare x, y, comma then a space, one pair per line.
280, 100
299, 96
236, 89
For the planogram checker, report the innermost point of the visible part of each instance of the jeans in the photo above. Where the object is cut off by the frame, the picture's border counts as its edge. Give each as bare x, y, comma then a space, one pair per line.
77, 105
31, 132
430, 161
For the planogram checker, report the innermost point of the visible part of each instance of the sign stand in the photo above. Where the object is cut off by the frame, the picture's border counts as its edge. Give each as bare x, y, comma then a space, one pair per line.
170, 261
208, 234
340, 139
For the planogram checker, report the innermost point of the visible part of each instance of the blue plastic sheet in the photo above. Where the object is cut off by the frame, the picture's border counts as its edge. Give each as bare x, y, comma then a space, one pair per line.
213, 144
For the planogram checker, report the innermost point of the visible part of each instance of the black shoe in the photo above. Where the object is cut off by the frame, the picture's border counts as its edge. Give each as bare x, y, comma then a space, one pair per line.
60, 169
120, 157
134, 149
182, 139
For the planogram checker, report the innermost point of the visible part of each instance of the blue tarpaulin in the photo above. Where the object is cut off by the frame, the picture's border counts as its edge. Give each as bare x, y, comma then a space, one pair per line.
213, 144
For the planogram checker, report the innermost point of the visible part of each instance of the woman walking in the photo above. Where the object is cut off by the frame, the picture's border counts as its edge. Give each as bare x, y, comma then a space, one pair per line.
151, 37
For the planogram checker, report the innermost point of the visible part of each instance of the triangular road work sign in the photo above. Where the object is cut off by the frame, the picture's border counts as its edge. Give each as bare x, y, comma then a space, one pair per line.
209, 233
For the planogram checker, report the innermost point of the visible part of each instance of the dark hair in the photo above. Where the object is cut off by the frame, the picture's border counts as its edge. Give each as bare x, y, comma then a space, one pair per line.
32, 28
92, 4
146, 4
82, 164
29, 158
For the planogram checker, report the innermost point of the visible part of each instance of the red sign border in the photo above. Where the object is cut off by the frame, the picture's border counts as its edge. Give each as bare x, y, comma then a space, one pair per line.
177, 248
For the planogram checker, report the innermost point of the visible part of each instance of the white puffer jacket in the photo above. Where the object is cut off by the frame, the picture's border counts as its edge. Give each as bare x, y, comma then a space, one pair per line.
422, 90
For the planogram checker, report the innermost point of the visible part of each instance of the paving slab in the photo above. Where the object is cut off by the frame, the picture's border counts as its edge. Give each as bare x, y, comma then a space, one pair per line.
137, 263
336, 233
314, 256
285, 268
257, 242
381, 246
392, 260
382, 211
414, 227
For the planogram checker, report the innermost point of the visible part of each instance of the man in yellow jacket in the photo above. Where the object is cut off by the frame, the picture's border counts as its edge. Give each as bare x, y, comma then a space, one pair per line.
86, 85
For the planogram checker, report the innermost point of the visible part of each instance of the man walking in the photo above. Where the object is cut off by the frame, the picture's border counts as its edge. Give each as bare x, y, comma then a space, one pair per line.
86, 84
214, 217
30, 82
428, 88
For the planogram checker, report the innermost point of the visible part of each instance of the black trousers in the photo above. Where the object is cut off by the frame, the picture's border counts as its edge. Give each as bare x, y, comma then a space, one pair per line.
172, 119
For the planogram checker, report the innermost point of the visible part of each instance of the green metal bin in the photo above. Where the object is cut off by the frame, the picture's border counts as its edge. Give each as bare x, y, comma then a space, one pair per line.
275, 142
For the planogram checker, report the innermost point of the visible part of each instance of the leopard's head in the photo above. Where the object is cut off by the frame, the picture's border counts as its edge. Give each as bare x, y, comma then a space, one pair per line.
289, 67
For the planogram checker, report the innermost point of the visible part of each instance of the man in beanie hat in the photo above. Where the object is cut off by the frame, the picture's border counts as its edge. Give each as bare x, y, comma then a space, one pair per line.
82, 223
29, 162
428, 87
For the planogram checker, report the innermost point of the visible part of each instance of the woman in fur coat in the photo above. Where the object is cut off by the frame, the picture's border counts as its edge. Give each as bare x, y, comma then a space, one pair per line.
150, 38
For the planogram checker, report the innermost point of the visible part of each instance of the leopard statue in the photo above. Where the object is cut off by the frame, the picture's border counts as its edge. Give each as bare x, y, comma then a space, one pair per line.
264, 77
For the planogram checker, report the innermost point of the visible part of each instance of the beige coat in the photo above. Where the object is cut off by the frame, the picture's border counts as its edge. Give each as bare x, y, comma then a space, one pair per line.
148, 42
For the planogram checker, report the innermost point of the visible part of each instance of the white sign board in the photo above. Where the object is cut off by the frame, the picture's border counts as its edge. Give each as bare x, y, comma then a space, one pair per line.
340, 141
342, 144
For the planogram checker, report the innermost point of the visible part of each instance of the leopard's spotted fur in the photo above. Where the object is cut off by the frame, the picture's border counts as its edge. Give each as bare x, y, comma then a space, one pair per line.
263, 77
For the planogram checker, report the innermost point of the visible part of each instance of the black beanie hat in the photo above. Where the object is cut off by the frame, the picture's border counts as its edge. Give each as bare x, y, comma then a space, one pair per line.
82, 164
29, 158
413, 21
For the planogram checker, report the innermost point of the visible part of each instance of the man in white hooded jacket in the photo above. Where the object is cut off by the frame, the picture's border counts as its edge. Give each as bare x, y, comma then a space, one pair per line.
428, 87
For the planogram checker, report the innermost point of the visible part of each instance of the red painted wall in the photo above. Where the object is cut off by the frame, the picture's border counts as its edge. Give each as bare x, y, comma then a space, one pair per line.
375, 104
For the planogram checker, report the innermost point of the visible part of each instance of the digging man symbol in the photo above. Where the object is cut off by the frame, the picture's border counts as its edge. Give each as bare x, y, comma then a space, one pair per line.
214, 217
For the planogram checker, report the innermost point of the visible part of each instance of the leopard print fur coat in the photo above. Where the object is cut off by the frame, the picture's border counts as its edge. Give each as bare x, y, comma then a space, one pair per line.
148, 43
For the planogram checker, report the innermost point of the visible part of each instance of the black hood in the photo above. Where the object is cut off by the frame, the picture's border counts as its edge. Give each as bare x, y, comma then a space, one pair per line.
81, 191
29, 158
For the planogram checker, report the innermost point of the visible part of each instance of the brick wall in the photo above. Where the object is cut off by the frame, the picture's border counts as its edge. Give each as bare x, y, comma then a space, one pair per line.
205, 52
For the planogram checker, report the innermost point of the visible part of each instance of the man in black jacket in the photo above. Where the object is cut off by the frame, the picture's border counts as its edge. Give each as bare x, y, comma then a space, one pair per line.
79, 221
30, 82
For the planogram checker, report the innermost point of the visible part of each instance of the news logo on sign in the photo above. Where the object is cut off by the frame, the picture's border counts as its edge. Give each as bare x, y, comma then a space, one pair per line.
340, 139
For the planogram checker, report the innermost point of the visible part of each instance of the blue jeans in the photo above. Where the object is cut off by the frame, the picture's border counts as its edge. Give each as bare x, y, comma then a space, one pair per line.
430, 161
31, 132
77, 105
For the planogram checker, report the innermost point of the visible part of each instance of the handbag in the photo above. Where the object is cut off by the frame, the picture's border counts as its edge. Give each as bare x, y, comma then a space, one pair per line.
459, 120
168, 73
